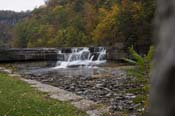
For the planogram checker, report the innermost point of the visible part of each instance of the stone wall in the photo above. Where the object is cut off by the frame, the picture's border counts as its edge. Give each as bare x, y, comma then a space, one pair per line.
116, 53
27, 54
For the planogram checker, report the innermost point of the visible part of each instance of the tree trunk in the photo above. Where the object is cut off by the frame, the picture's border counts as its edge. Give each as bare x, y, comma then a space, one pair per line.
163, 77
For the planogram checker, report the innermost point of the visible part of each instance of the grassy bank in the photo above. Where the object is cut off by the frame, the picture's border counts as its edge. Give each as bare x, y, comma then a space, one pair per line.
19, 99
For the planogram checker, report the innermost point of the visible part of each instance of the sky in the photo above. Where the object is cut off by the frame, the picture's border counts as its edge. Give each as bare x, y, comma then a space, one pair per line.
20, 5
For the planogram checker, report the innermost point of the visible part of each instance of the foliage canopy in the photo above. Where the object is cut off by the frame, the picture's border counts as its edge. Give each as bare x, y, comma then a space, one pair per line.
85, 23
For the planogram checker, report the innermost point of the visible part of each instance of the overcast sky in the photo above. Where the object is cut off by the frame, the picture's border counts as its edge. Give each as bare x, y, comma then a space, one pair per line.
20, 5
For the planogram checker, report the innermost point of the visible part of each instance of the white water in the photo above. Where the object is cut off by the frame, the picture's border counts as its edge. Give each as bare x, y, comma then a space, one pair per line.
82, 57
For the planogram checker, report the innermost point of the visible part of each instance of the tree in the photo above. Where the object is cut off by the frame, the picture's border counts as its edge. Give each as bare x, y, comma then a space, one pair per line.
88, 22
90, 18
135, 26
107, 29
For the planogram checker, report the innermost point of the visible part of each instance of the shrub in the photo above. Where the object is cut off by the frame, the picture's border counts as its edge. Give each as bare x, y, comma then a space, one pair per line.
143, 63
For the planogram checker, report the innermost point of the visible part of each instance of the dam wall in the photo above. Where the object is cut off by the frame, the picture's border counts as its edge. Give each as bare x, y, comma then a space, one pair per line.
28, 54
50, 54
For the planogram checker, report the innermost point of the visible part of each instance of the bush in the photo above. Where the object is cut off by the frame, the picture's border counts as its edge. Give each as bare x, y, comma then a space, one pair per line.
143, 63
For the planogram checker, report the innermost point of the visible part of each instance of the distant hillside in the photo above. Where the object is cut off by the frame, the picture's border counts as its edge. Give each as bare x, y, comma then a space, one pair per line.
7, 21
11, 17
66, 23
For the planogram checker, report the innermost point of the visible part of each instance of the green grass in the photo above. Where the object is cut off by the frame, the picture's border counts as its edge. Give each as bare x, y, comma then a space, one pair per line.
19, 99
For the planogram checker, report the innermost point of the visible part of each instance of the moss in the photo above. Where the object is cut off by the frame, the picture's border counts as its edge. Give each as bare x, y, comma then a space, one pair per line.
139, 99
135, 90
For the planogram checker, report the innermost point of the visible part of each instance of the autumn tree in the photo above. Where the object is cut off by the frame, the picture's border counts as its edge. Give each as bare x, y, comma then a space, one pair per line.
107, 29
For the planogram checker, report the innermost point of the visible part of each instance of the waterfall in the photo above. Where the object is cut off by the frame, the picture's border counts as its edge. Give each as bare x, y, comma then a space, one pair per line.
82, 57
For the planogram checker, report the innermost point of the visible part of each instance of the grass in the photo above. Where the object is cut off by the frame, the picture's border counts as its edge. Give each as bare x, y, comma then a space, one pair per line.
19, 99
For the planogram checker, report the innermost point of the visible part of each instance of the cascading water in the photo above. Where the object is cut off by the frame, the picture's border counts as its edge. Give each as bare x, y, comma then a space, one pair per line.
82, 57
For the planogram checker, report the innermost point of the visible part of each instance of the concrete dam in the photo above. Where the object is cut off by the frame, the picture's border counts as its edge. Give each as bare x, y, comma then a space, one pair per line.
52, 54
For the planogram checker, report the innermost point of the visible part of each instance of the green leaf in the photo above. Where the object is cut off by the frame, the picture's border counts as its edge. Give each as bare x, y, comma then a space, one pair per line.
130, 61
139, 59
149, 56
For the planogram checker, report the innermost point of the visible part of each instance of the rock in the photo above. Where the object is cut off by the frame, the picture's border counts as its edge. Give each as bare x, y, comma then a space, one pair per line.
110, 91
98, 85
141, 110
130, 96
85, 105
120, 108
98, 112
108, 95
5, 70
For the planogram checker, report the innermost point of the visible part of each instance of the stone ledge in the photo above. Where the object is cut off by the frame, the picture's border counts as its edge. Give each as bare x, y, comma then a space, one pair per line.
28, 54
88, 106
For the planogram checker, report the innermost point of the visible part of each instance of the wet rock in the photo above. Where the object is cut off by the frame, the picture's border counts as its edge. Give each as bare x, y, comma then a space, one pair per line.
5, 70
110, 90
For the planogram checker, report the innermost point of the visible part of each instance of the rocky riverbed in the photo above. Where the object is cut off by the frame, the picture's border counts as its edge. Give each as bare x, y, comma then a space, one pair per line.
107, 86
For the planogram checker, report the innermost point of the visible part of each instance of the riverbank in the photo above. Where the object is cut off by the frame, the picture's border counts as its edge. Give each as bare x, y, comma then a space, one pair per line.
109, 86
18, 99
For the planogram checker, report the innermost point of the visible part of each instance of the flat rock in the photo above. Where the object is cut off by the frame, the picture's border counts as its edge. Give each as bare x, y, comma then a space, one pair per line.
63, 96
5, 70
98, 112
85, 105
54, 92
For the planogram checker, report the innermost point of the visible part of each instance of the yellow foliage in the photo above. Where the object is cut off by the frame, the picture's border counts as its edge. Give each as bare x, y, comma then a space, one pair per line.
137, 10
107, 27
